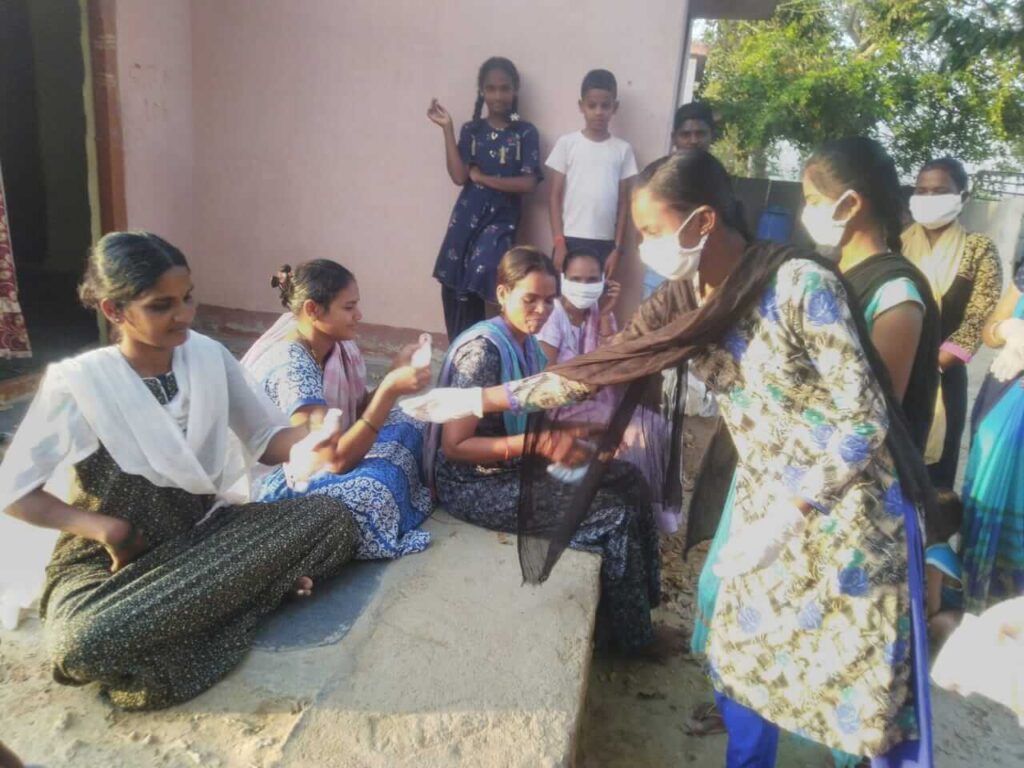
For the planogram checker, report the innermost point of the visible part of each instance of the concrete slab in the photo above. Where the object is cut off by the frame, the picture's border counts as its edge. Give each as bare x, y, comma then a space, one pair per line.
438, 659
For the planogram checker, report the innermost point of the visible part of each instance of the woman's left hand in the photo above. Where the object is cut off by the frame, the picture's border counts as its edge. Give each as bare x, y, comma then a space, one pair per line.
475, 174
611, 296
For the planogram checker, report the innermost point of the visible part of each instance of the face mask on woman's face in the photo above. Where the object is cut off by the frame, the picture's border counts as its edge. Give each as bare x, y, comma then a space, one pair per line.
666, 256
934, 211
820, 223
582, 295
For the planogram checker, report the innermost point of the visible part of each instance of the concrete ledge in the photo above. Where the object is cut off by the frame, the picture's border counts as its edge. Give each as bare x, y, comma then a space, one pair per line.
451, 662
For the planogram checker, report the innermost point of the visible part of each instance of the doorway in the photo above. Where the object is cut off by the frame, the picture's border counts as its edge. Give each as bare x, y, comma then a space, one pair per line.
44, 158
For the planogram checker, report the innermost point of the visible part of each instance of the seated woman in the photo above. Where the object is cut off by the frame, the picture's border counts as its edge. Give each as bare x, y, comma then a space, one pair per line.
159, 578
308, 362
478, 459
580, 322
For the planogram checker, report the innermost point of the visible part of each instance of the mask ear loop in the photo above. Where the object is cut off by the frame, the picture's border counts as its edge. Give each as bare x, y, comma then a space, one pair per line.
689, 218
836, 205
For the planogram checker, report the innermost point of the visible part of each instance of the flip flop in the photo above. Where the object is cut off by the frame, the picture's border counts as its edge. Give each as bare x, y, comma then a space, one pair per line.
705, 720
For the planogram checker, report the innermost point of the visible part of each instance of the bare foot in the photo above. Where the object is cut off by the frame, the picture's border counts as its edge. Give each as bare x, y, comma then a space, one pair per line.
303, 587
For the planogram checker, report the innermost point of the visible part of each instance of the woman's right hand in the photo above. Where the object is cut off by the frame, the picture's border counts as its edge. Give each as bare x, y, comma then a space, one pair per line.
567, 447
439, 115
122, 540
406, 380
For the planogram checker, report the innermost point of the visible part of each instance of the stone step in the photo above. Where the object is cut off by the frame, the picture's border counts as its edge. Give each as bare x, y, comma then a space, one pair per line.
442, 658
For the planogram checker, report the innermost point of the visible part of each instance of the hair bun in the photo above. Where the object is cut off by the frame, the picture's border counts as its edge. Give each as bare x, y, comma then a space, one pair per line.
283, 278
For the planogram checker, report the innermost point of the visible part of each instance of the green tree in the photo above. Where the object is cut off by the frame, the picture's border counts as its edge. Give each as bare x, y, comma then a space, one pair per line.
821, 69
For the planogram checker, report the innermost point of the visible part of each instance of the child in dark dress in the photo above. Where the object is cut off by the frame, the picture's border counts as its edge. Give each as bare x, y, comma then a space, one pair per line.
496, 160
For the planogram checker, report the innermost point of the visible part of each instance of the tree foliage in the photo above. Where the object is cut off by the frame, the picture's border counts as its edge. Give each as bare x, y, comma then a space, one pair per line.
893, 69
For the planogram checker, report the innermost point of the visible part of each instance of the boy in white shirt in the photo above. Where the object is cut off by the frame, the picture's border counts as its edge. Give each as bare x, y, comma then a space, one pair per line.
591, 174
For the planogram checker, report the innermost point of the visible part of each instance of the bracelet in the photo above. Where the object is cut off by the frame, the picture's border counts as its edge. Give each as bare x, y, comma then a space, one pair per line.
508, 450
367, 423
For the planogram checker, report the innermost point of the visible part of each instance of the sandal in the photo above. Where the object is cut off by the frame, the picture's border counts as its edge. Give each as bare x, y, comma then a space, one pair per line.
705, 720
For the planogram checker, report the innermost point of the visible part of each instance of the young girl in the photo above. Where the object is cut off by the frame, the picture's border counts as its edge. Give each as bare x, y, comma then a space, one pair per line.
159, 579
478, 459
580, 322
496, 161
853, 202
820, 621
309, 362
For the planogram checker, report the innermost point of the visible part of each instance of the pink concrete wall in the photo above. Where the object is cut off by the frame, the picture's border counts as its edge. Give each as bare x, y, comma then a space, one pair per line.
154, 62
308, 132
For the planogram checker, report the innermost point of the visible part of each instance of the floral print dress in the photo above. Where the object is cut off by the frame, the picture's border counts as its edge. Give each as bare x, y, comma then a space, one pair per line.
484, 221
384, 492
819, 642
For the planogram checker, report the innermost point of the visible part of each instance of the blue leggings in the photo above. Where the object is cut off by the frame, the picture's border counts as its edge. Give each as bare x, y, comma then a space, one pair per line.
754, 742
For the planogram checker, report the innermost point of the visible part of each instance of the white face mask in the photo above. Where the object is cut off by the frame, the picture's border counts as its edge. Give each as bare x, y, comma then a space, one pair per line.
819, 222
668, 258
582, 295
934, 211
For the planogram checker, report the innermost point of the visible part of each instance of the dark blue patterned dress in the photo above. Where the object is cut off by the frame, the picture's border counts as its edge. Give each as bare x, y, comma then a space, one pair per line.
484, 221
384, 492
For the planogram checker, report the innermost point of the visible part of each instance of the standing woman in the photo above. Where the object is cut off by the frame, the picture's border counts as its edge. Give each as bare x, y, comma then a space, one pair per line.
820, 622
965, 276
853, 203
993, 491
496, 160
160, 575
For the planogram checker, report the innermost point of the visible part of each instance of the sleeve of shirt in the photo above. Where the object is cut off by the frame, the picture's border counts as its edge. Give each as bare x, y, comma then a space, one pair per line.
299, 383
477, 363
629, 169
899, 291
466, 143
53, 432
986, 286
854, 429
558, 160
530, 152
251, 415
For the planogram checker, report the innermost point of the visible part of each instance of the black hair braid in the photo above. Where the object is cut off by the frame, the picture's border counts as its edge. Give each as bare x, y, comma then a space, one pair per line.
515, 107
478, 108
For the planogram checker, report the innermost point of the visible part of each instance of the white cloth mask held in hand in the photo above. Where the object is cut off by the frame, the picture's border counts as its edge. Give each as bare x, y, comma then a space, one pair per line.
666, 256
582, 295
303, 461
934, 211
820, 223
422, 356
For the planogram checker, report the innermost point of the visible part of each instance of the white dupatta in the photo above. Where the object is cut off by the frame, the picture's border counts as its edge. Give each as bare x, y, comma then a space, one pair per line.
97, 398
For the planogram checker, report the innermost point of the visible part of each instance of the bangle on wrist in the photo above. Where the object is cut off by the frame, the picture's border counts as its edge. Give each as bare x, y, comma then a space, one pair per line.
370, 425
508, 450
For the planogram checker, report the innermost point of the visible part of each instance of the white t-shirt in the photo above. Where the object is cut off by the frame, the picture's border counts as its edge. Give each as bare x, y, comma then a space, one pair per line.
593, 170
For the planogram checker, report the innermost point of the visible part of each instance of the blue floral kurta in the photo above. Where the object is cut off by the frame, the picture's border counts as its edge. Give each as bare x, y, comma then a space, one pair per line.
830, 620
484, 221
384, 492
